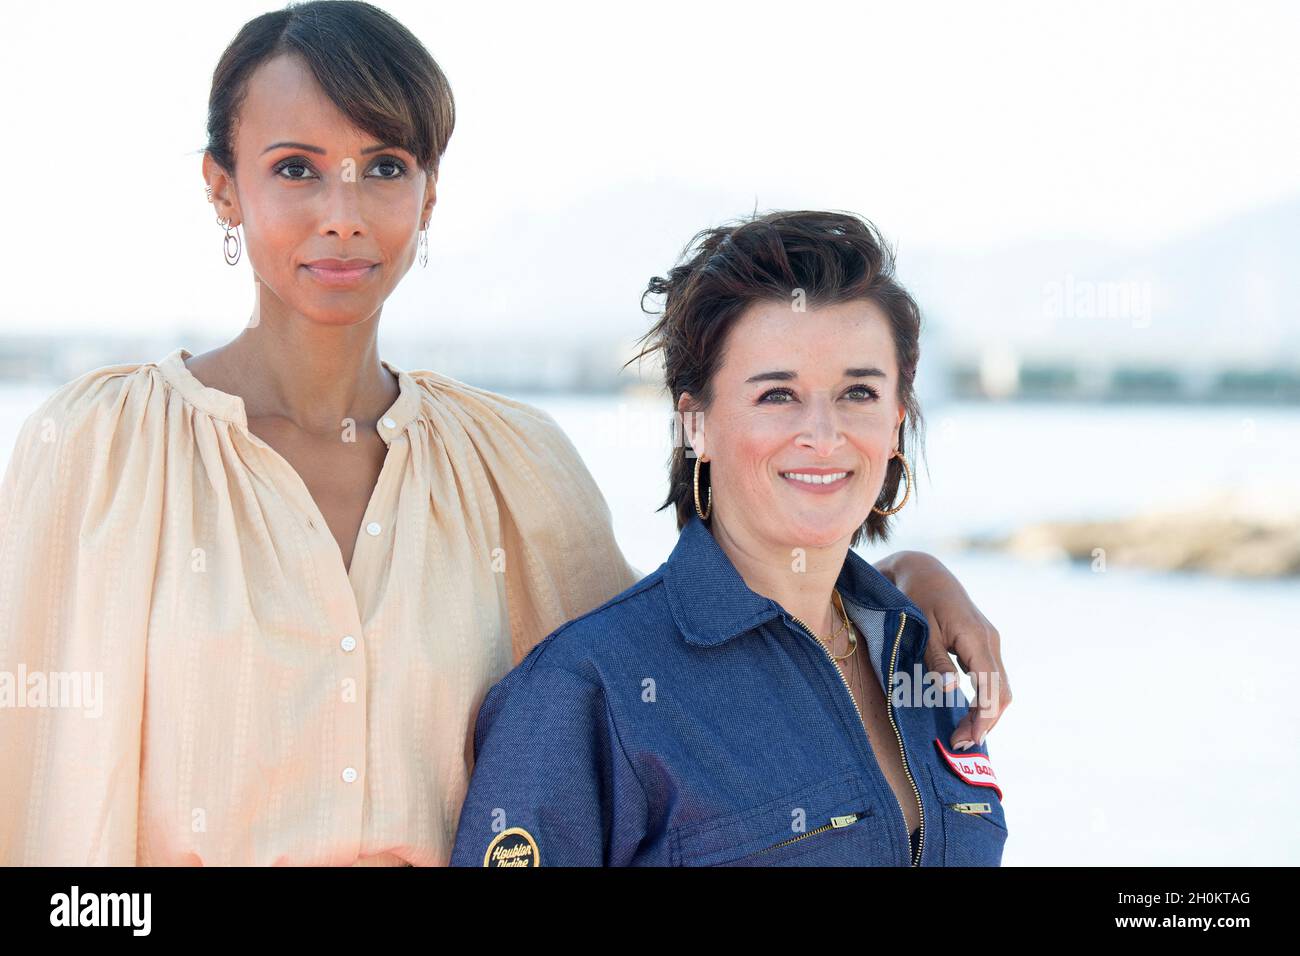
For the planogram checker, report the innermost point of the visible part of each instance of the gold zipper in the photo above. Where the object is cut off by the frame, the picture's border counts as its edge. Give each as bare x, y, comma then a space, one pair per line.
971, 807
889, 710
836, 823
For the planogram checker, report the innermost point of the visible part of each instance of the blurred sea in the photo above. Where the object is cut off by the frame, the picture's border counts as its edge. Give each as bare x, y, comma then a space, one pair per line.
1143, 731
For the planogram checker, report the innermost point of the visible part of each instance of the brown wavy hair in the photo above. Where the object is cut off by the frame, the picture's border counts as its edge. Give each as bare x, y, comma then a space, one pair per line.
833, 257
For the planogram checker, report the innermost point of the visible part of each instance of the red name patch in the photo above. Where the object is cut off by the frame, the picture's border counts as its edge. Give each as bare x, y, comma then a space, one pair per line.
972, 767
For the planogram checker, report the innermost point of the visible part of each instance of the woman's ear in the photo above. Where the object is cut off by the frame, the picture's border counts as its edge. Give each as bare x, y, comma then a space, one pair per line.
692, 424
430, 198
221, 188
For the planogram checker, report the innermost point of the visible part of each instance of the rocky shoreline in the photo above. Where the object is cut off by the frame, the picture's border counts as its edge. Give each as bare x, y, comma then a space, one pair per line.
1206, 540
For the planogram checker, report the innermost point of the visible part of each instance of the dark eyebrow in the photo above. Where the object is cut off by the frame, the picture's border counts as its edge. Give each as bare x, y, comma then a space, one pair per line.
316, 149
785, 375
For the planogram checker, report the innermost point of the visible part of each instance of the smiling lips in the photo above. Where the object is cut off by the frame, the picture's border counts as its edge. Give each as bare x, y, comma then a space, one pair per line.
818, 480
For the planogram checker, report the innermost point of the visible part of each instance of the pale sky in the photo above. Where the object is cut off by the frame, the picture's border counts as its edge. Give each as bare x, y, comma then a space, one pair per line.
600, 137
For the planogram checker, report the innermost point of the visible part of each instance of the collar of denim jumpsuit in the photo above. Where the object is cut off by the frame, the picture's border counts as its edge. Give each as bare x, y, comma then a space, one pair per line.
711, 603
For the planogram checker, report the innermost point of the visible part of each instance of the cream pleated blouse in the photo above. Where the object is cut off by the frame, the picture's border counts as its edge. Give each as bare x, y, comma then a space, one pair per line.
188, 674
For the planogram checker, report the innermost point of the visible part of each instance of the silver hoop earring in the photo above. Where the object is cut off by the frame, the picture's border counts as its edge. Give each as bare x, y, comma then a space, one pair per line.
424, 247
232, 238
230, 242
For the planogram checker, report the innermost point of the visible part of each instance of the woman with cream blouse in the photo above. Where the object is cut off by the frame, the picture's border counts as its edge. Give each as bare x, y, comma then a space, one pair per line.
251, 600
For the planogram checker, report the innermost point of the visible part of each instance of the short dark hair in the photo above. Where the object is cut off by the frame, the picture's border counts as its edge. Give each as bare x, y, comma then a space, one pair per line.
833, 257
369, 65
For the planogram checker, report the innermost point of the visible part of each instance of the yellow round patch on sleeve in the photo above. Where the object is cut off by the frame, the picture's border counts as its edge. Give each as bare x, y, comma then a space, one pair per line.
513, 847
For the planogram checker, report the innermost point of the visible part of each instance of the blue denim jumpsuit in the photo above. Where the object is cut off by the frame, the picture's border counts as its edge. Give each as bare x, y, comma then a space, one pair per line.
690, 721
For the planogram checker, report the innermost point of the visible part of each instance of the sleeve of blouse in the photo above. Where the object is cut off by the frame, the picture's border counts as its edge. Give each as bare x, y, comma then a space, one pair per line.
80, 511
571, 562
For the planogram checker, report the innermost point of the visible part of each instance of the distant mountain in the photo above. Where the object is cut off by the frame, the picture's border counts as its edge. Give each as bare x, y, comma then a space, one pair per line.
1228, 294
573, 289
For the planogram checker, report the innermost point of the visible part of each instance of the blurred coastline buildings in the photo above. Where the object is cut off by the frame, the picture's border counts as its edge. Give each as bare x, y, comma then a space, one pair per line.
1211, 317
999, 371
504, 365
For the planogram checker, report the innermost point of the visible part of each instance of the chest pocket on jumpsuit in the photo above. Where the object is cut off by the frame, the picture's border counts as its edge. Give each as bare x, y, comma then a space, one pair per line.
831, 823
974, 823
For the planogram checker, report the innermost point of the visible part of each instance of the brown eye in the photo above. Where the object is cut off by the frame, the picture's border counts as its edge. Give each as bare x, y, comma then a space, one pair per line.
394, 162
294, 163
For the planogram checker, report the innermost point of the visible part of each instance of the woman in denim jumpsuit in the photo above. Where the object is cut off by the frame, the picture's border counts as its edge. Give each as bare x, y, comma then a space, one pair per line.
696, 719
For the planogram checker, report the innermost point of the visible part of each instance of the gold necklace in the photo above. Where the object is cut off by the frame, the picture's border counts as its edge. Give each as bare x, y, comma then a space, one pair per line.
857, 681
838, 602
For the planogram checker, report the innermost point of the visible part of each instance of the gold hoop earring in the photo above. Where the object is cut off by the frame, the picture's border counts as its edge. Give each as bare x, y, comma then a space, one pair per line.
907, 471
704, 515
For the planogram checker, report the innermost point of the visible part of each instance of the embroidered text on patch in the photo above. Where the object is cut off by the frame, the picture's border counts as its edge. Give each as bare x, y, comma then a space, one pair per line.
513, 847
973, 767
